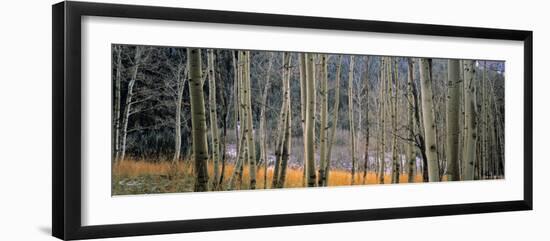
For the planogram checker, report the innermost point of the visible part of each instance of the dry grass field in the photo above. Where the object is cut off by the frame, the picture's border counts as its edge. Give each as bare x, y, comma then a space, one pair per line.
142, 177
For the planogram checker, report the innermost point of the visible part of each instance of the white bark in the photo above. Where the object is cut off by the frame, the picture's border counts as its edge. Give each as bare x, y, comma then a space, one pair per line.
429, 120
411, 157
336, 110
350, 116
324, 120
283, 119
396, 164
177, 125
453, 108
249, 122
263, 130
310, 121
470, 120
198, 120
213, 116
129, 96
382, 113
118, 77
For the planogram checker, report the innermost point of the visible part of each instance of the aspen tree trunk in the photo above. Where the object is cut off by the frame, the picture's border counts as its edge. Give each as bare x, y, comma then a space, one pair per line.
129, 96
411, 157
470, 120
485, 118
453, 108
393, 90
242, 117
367, 134
239, 163
249, 123
379, 101
492, 134
286, 148
198, 120
441, 144
303, 94
496, 132
279, 147
240, 124
310, 121
390, 115
494, 141
462, 122
236, 98
243, 113
324, 122
213, 117
499, 131
225, 121
303, 107
429, 120
118, 50
382, 112
177, 124
396, 113
350, 116
263, 130
418, 127
334, 119
389, 112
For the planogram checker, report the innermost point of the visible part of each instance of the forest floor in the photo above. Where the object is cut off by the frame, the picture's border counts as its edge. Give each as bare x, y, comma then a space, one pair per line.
143, 177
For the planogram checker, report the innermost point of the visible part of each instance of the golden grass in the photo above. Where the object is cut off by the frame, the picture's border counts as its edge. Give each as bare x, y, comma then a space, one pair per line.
163, 170
133, 168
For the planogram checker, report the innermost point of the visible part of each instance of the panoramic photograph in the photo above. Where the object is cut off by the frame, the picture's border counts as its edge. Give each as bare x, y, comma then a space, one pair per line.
187, 119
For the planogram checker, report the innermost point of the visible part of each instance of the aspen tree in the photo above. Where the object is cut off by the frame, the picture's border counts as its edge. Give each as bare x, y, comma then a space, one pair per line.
310, 121
497, 133
453, 108
411, 157
129, 96
303, 107
499, 125
286, 148
213, 117
470, 120
263, 130
224, 121
350, 116
462, 122
484, 121
279, 146
198, 120
367, 133
239, 161
382, 112
249, 123
116, 120
334, 125
180, 83
494, 142
393, 105
236, 98
324, 122
418, 127
429, 120
243, 112
395, 127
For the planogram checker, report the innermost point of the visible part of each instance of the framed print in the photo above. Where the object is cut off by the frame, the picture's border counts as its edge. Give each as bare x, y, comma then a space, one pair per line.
171, 120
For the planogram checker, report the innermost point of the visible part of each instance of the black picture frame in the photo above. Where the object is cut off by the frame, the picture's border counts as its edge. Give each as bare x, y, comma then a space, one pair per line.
67, 136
